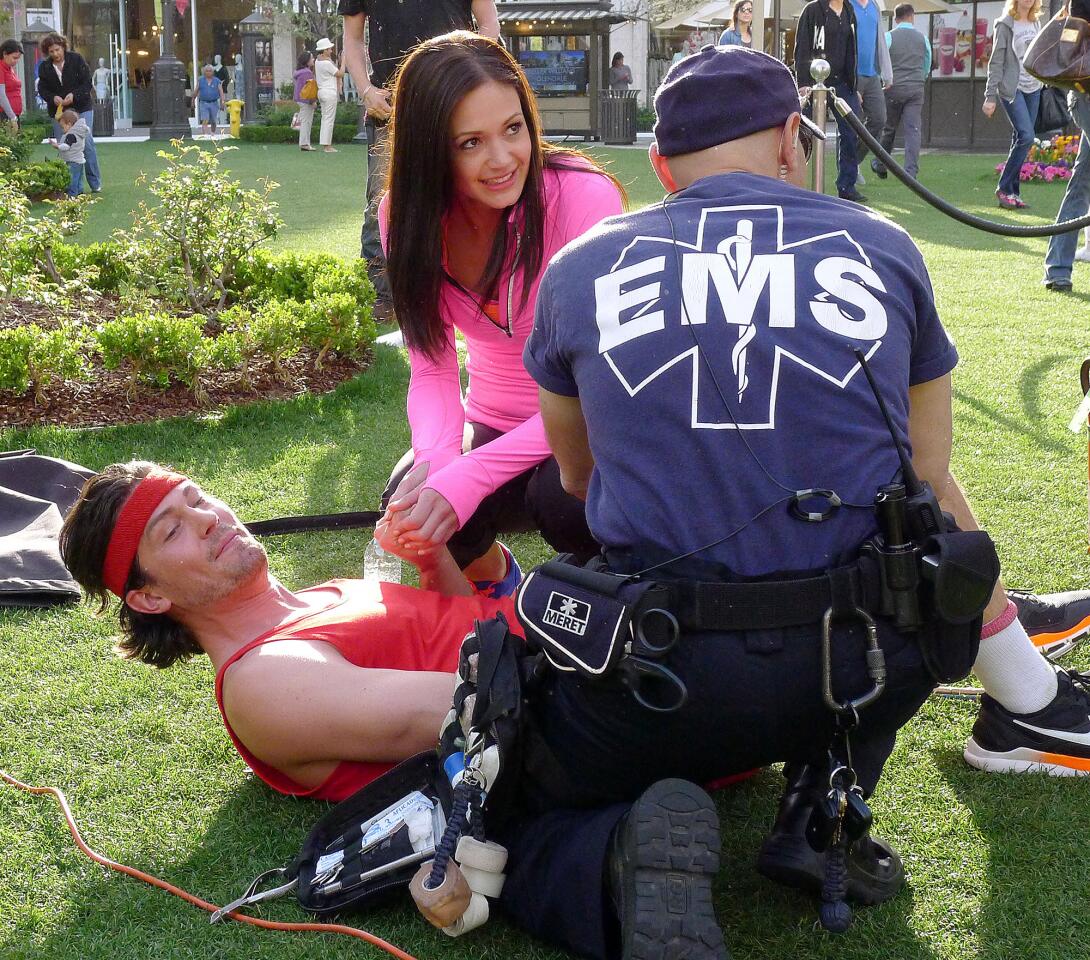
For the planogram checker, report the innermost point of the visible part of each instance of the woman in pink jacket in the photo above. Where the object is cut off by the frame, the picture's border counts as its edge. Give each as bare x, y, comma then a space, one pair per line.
477, 204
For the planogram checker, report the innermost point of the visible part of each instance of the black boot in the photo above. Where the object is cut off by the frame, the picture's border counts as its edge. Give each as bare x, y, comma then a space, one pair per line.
875, 872
664, 855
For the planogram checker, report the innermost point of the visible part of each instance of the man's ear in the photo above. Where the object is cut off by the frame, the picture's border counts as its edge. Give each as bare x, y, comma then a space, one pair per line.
661, 167
790, 155
146, 601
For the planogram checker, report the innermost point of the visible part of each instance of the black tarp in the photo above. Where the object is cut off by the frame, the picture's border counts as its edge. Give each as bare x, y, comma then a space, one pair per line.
35, 494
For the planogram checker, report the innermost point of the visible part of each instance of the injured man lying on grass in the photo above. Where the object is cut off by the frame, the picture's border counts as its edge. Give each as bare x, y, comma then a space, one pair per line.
192, 580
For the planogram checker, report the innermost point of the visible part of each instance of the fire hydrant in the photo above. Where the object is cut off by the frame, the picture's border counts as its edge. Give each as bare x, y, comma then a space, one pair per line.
234, 111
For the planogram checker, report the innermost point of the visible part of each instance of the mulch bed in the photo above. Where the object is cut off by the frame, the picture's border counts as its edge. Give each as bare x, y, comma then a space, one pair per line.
104, 399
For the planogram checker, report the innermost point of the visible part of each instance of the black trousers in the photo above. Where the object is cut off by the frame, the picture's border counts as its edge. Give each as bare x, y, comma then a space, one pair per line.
533, 500
754, 699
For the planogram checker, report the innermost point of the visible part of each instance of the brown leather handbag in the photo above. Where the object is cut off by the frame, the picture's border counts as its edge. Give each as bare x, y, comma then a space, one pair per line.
1060, 54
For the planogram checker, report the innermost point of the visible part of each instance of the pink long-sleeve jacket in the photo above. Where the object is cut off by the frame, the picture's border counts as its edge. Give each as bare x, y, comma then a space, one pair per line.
501, 394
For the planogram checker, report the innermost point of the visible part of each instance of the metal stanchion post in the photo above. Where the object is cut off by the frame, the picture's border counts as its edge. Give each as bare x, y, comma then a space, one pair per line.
819, 94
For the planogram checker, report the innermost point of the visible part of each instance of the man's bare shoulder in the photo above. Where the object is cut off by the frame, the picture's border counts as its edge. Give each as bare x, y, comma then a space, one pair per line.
280, 658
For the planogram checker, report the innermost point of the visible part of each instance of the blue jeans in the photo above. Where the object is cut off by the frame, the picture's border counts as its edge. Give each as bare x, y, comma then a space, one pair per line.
75, 178
847, 143
90, 154
1022, 113
1076, 201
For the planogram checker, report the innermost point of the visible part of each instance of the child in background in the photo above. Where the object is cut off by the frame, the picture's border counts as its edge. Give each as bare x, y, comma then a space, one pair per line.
75, 132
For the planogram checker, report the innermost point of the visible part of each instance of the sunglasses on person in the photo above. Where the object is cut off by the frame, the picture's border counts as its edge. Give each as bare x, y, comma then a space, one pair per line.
806, 139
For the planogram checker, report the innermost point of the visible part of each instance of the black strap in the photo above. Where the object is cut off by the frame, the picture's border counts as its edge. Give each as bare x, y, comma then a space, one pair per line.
320, 521
765, 604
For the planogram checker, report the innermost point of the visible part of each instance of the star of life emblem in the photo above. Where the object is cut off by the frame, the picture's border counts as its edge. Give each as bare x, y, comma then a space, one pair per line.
567, 613
776, 303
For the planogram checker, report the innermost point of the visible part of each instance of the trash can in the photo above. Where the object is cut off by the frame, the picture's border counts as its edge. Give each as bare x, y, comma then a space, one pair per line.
103, 121
617, 116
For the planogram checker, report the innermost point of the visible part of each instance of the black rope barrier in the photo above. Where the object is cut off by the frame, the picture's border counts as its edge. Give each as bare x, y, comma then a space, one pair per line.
969, 219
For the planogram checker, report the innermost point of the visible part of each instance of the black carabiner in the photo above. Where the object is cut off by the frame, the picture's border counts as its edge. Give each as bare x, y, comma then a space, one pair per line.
634, 671
876, 665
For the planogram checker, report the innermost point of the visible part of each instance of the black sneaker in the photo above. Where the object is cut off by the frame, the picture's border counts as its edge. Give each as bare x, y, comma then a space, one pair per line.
879, 170
1053, 740
1059, 286
664, 856
854, 195
1055, 622
875, 871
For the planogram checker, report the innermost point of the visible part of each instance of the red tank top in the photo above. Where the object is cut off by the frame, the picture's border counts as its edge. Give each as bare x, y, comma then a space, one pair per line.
378, 625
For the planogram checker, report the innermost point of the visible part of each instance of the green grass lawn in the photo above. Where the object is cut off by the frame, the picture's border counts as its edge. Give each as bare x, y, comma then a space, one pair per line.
997, 866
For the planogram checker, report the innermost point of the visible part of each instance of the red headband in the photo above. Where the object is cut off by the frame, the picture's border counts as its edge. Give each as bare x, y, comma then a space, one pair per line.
132, 520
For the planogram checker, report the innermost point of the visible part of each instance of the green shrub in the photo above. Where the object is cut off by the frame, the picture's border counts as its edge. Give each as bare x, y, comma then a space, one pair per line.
300, 276
236, 324
153, 348
277, 114
645, 119
254, 275
44, 179
275, 331
349, 277
114, 268
336, 321
15, 344
205, 224
255, 133
280, 114
30, 355
16, 149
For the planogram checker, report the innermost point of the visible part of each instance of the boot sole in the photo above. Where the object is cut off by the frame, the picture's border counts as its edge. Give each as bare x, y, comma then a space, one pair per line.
789, 860
672, 840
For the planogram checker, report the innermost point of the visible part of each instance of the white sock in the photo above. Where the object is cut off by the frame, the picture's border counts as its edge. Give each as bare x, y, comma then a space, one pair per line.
1010, 668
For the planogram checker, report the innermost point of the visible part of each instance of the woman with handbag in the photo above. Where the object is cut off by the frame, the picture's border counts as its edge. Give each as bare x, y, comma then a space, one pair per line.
306, 95
328, 77
1009, 84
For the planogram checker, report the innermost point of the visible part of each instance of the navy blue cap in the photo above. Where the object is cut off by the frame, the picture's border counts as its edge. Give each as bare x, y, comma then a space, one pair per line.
721, 94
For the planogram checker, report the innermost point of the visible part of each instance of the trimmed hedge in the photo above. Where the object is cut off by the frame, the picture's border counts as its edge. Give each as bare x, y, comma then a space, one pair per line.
342, 133
285, 302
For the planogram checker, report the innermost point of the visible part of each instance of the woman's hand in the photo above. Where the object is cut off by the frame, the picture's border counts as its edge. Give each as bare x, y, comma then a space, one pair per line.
405, 495
429, 523
988, 109
67, 101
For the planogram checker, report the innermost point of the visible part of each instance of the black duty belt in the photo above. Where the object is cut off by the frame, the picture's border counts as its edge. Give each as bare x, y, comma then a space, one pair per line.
772, 604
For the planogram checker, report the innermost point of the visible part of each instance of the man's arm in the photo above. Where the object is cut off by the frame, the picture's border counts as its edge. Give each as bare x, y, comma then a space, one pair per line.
567, 433
303, 711
358, 62
930, 430
488, 23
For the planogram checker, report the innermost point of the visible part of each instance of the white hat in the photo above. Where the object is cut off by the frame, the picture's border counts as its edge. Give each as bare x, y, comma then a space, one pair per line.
324, 44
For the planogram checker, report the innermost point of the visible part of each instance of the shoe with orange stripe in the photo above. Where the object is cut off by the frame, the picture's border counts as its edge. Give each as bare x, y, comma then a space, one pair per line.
1055, 622
1053, 740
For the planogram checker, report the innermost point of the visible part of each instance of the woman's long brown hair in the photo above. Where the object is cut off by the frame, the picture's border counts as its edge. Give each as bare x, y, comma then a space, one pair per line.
430, 84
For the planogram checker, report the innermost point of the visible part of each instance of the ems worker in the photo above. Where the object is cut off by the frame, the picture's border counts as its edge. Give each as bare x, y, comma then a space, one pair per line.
696, 367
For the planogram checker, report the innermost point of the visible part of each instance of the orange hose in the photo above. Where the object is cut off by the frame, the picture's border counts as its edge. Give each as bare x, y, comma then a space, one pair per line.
196, 901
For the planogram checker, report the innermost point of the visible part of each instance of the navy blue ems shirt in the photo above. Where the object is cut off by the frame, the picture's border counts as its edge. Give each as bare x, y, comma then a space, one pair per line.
780, 284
